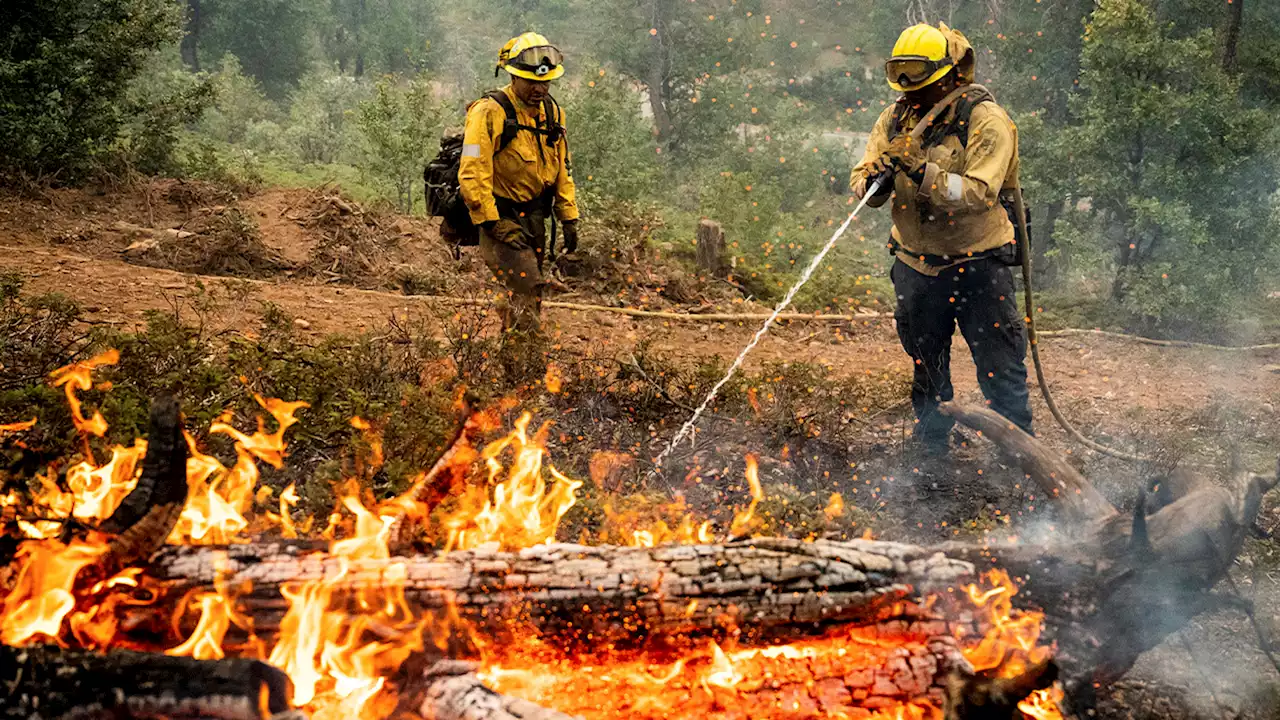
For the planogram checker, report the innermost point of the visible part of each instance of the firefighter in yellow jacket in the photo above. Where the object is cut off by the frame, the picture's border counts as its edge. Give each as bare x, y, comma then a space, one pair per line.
952, 236
514, 173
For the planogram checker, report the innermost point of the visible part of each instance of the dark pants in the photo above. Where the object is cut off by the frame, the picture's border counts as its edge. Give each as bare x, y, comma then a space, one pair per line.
516, 261
979, 297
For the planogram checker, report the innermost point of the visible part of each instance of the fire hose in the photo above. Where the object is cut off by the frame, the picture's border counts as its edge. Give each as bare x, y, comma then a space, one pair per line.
1028, 293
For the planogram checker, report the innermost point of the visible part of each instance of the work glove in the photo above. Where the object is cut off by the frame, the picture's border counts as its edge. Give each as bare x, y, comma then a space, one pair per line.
505, 231
906, 155
864, 183
570, 235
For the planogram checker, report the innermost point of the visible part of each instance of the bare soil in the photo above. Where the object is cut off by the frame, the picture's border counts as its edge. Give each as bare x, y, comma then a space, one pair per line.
342, 269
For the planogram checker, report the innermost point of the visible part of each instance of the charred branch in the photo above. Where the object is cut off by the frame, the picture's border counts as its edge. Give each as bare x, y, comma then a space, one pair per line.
1076, 495
986, 696
147, 515
1118, 587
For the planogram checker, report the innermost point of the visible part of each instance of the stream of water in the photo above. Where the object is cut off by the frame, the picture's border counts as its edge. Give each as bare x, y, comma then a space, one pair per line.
688, 427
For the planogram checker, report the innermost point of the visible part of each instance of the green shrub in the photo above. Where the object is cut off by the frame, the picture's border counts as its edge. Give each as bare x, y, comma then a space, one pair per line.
400, 128
65, 73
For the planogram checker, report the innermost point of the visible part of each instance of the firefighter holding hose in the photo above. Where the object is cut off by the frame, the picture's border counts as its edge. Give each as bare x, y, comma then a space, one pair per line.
952, 237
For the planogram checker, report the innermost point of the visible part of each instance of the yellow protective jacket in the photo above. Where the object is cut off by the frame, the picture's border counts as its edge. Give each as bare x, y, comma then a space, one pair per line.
956, 210
524, 169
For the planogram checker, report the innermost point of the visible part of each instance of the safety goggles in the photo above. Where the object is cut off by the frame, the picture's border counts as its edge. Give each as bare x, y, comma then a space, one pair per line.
913, 69
540, 60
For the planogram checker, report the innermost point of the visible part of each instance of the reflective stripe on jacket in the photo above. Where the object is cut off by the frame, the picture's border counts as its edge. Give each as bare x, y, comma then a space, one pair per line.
524, 169
956, 210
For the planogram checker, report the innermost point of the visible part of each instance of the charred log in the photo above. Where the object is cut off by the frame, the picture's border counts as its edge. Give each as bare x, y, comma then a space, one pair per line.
1118, 587
617, 593
50, 682
450, 690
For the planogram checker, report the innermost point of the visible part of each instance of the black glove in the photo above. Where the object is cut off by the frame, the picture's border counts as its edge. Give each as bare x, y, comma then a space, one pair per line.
488, 226
886, 182
570, 235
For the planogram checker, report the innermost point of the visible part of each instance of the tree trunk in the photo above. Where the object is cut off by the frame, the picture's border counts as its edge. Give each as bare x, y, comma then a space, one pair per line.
711, 249
770, 586
659, 89
190, 47
1231, 39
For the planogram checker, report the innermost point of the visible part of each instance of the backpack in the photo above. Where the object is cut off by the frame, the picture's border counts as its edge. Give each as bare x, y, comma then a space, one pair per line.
440, 176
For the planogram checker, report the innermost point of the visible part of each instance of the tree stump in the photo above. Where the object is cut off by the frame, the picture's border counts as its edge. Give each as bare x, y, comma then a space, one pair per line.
711, 251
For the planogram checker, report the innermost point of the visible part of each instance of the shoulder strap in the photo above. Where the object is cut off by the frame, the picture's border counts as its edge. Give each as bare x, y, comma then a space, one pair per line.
900, 109
555, 128
960, 117
511, 125
964, 112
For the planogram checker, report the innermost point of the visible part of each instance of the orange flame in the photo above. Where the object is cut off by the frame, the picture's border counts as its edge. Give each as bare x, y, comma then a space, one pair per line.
41, 597
17, 426
743, 521
78, 376
218, 497
524, 509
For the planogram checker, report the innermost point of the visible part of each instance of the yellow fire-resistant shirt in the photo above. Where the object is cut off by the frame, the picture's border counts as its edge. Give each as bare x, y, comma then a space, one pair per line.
956, 210
522, 171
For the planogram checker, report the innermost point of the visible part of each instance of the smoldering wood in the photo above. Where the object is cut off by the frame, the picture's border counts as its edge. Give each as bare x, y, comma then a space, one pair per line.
709, 239
450, 690
143, 520
766, 585
52, 682
1115, 585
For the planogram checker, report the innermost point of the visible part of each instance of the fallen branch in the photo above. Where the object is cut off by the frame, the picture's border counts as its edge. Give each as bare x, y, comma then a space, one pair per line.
1152, 341
1115, 586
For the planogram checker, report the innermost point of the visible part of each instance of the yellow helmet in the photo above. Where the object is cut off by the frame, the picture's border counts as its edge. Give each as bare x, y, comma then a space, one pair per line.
921, 57
532, 57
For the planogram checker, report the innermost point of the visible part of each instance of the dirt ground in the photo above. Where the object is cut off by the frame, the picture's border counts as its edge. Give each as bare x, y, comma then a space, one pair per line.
337, 270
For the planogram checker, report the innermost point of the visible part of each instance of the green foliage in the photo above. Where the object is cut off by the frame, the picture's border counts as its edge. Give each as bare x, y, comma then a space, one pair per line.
239, 105
160, 103
318, 128
381, 35
65, 71
613, 151
1176, 170
271, 38
401, 129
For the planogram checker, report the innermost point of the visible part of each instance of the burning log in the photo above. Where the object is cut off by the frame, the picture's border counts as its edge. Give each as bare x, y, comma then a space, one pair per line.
1114, 586
763, 586
48, 681
450, 690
